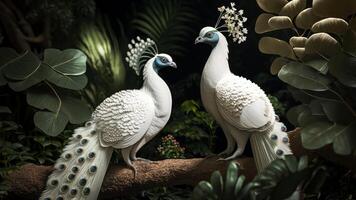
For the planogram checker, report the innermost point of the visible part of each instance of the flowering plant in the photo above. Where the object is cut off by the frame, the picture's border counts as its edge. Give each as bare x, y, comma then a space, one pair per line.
234, 21
170, 148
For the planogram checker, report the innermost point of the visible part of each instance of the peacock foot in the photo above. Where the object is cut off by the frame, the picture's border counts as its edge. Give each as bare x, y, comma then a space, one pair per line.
143, 159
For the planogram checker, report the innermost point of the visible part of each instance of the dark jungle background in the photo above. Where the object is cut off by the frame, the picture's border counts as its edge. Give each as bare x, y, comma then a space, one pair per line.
102, 31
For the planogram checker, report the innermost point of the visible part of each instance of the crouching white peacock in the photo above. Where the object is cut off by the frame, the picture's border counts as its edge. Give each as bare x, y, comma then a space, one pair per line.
239, 106
127, 120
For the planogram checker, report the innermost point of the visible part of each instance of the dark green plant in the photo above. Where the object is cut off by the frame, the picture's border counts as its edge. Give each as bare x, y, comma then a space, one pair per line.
170, 148
168, 22
278, 181
278, 106
100, 43
319, 62
51, 85
193, 125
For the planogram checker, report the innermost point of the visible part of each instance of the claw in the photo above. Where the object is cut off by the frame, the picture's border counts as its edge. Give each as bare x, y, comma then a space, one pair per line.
134, 170
144, 160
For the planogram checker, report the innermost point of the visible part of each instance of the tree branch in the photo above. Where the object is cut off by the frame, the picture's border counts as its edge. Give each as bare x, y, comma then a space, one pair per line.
29, 180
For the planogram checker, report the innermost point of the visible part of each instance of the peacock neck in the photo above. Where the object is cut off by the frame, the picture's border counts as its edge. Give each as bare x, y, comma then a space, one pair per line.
155, 86
217, 66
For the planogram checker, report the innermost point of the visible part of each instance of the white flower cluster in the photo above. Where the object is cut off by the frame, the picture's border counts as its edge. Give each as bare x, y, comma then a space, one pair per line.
138, 51
234, 22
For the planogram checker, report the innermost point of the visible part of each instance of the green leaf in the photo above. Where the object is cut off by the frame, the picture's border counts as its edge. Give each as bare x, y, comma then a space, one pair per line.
343, 67
345, 143
231, 178
319, 134
303, 77
50, 123
294, 113
22, 67
6, 56
337, 112
318, 64
292, 163
216, 181
349, 42
5, 109
67, 62
69, 82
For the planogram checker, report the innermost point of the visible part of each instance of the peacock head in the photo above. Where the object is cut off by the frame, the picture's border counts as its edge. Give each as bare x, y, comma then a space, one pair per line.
208, 35
163, 60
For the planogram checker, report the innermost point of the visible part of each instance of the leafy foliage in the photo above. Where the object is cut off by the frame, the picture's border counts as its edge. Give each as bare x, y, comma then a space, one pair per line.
50, 85
100, 43
195, 126
319, 63
168, 22
279, 107
278, 181
170, 148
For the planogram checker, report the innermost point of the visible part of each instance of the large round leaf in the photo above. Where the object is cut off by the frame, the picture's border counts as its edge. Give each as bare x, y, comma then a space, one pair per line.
331, 25
50, 123
277, 64
299, 52
262, 23
345, 142
349, 43
6, 56
67, 62
270, 45
322, 44
319, 64
271, 6
293, 8
319, 134
306, 19
280, 22
303, 77
343, 67
294, 113
69, 82
337, 112
297, 41
22, 67
334, 8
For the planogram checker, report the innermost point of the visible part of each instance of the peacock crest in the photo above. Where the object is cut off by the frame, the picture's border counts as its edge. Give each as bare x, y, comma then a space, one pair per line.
139, 52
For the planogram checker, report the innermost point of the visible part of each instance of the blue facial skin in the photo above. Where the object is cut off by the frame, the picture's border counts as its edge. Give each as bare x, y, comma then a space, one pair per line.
211, 38
161, 62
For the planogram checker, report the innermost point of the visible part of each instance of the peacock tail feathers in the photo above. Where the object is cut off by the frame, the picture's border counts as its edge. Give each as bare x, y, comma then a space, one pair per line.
268, 147
80, 170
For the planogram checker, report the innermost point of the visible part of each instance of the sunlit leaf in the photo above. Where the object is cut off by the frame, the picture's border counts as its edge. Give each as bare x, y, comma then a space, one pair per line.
270, 45
297, 41
319, 64
306, 19
299, 51
332, 8
277, 64
280, 22
293, 8
322, 44
272, 6
67, 62
262, 23
303, 77
330, 25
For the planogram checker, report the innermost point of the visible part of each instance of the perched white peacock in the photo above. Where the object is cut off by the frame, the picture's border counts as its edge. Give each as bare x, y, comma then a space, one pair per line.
239, 106
127, 120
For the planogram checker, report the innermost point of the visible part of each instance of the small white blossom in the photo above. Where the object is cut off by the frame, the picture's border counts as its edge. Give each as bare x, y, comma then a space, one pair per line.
234, 22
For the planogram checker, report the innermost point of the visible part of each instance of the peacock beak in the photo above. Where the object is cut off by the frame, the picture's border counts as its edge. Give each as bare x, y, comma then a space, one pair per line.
198, 40
173, 64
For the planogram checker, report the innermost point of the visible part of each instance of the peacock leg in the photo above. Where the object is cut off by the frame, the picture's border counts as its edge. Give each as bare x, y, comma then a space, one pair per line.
126, 156
137, 147
241, 141
230, 142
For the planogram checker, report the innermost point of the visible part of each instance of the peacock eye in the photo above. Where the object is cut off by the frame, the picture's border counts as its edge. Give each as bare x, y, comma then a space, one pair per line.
164, 60
209, 35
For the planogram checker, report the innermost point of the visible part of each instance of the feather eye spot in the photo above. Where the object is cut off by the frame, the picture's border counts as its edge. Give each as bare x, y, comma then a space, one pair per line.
88, 124
64, 188
93, 169
86, 191
81, 160
71, 177
61, 167
274, 137
54, 182
93, 132
73, 192
83, 141
75, 169
68, 156
47, 198
276, 117
91, 155
279, 152
283, 128
79, 151
285, 140
59, 198
78, 137
82, 182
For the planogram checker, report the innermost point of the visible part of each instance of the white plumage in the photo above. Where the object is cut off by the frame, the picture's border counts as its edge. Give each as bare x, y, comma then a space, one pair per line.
239, 106
127, 120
